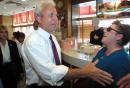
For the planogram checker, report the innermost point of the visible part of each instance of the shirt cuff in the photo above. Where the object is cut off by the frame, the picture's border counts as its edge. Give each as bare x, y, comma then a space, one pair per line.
58, 74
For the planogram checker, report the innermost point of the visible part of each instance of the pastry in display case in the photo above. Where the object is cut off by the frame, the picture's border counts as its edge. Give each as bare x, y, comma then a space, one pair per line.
89, 49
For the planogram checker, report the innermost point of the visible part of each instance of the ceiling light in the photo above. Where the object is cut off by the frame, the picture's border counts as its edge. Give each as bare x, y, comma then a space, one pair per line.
5, 7
23, 0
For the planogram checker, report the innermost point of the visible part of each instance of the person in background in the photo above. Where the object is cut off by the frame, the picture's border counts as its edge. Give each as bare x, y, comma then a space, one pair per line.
42, 55
96, 36
10, 62
15, 35
19, 38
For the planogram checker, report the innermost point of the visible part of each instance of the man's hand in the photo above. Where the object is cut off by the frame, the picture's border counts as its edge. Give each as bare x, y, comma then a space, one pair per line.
124, 82
97, 74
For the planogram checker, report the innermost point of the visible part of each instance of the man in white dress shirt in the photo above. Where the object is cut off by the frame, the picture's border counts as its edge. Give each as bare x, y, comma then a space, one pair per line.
40, 65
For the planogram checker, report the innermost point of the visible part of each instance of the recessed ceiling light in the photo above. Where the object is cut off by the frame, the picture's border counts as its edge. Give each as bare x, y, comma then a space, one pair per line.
5, 7
23, 0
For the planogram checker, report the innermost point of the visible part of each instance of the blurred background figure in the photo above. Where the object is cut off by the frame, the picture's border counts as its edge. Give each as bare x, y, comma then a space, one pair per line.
96, 36
15, 35
19, 38
10, 62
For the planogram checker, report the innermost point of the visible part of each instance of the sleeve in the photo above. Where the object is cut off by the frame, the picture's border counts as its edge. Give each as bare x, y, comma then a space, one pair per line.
40, 60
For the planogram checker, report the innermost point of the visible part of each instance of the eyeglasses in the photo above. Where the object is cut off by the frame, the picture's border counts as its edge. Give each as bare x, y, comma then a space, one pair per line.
52, 14
109, 29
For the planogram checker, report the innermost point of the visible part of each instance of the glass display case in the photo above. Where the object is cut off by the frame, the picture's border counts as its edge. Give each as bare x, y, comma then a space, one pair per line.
100, 12
82, 16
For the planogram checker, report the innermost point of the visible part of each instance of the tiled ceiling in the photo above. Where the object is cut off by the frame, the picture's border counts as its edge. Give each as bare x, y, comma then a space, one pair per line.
10, 7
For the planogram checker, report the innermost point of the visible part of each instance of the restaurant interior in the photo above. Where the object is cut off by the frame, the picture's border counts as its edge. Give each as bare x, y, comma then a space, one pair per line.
76, 20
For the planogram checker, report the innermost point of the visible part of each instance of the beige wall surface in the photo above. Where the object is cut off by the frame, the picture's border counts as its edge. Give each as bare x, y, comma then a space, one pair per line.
7, 21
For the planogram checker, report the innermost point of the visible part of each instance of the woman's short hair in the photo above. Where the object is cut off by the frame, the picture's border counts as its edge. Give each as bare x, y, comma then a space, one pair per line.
123, 29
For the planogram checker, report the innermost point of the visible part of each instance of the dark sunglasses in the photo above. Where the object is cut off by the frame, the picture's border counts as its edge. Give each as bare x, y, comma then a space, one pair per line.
109, 29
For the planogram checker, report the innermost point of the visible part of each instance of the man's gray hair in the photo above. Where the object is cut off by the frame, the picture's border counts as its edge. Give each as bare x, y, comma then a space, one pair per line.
41, 5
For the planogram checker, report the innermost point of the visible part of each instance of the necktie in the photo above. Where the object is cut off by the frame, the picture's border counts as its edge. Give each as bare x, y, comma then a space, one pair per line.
55, 53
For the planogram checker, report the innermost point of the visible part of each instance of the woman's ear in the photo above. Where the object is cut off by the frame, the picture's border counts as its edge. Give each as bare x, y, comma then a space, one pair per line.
119, 36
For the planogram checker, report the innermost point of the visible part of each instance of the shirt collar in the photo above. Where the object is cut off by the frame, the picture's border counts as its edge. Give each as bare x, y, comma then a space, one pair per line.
43, 33
5, 44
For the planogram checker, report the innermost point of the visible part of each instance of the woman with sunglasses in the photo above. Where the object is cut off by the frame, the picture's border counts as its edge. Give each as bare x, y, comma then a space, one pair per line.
112, 57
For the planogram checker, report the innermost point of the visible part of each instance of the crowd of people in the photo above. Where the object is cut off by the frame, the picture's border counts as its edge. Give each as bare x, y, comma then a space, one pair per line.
38, 57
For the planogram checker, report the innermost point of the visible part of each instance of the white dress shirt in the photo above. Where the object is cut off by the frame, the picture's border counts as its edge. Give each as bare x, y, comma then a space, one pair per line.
39, 60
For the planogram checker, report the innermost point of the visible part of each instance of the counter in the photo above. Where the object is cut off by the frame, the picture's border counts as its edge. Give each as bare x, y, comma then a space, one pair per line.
75, 58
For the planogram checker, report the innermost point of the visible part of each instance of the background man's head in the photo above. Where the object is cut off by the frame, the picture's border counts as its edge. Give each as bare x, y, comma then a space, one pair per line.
3, 32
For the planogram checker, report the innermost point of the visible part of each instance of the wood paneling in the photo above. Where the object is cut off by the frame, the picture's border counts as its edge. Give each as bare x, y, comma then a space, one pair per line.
79, 1
85, 33
0, 19
7, 21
